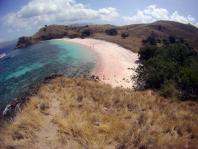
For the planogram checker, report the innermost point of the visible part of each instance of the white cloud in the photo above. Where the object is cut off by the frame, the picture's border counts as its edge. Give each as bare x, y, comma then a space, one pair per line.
153, 13
40, 12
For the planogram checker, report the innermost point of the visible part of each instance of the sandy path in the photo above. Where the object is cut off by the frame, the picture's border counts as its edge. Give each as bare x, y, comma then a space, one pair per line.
115, 65
48, 131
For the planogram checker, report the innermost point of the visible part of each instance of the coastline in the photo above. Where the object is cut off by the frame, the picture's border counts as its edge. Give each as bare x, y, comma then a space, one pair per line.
114, 64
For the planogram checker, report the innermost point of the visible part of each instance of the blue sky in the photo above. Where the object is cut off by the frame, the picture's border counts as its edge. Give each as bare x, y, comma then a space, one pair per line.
24, 17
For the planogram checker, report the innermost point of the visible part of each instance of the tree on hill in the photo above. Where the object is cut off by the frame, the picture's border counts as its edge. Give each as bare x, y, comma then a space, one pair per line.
45, 28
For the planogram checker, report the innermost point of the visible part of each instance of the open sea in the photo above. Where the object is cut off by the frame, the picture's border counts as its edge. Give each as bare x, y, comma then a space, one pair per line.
22, 68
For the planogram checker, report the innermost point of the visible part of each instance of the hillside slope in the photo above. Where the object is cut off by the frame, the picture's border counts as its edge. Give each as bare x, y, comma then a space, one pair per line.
133, 41
75, 113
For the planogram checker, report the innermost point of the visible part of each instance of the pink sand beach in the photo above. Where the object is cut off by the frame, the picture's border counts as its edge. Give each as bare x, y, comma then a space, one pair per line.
115, 65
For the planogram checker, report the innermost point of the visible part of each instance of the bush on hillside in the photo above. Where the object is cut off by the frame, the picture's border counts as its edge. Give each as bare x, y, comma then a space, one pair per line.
125, 35
86, 33
53, 36
146, 52
172, 39
111, 32
169, 89
45, 28
172, 67
151, 40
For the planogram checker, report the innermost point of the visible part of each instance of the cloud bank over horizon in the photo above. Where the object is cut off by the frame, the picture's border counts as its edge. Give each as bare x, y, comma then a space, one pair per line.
154, 13
39, 12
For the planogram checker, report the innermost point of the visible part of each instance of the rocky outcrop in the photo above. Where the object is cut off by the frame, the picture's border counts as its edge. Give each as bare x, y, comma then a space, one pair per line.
24, 42
95, 78
51, 77
12, 108
48, 33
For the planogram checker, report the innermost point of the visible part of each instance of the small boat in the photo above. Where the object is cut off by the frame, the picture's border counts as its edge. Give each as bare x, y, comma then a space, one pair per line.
3, 56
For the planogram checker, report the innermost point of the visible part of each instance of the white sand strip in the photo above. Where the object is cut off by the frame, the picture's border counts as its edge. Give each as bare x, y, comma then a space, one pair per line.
114, 63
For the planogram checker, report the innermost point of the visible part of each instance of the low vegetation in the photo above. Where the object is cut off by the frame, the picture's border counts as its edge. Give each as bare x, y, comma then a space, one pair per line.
124, 35
170, 66
86, 114
111, 32
86, 33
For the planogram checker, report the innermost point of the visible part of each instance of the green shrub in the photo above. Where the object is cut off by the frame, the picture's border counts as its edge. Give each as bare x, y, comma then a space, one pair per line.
175, 61
156, 71
124, 35
151, 40
86, 33
111, 32
169, 89
146, 52
172, 39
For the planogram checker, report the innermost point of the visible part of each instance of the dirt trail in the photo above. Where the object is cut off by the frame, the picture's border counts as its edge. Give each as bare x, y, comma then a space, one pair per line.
47, 134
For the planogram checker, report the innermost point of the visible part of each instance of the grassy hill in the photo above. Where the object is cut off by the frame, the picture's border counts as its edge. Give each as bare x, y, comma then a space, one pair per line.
76, 113
133, 40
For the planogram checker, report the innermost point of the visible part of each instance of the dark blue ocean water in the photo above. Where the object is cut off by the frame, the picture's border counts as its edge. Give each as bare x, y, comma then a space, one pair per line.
25, 67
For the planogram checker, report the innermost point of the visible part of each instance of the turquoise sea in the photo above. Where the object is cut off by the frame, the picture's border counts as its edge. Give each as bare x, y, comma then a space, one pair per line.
23, 68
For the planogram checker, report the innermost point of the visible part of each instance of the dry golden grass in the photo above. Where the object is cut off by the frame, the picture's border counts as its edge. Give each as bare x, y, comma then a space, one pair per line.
21, 132
97, 116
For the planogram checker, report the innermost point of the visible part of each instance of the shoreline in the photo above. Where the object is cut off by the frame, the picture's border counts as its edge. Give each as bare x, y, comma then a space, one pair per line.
114, 64
112, 69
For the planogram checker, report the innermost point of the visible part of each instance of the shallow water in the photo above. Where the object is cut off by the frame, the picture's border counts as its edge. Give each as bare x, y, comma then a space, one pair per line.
25, 67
